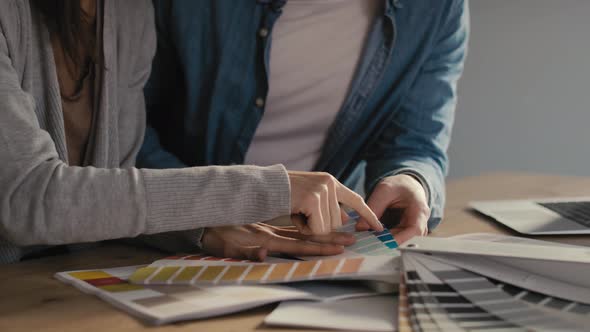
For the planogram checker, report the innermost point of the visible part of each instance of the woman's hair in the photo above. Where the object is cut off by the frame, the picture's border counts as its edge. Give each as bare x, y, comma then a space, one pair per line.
65, 19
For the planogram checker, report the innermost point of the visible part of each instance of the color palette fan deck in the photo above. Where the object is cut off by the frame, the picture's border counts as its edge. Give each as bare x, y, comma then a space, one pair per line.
441, 291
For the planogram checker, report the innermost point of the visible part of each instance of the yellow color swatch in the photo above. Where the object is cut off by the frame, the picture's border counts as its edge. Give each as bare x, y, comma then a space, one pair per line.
211, 273
233, 273
164, 274
142, 274
188, 273
121, 288
256, 273
88, 275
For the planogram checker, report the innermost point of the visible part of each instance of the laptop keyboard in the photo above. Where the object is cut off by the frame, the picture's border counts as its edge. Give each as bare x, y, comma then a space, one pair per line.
574, 211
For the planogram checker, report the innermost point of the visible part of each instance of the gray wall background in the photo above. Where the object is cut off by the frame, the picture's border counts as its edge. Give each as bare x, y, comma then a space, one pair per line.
524, 100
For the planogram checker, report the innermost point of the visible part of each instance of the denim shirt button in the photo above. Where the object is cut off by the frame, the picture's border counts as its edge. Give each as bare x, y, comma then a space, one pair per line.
259, 102
263, 32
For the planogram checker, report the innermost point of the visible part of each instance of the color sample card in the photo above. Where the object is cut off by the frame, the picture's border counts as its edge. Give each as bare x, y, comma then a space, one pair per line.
203, 271
159, 304
447, 297
368, 243
560, 271
522, 309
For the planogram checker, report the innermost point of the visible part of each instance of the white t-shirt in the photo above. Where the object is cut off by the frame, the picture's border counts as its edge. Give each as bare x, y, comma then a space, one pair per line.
316, 47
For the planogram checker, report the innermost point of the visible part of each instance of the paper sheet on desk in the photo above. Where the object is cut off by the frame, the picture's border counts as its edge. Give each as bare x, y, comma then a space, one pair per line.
375, 314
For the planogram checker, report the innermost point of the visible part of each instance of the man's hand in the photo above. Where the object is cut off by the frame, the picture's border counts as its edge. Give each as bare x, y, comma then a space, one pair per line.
255, 241
406, 193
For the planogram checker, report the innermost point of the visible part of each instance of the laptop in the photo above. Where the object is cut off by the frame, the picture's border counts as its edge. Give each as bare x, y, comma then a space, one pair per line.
540, 216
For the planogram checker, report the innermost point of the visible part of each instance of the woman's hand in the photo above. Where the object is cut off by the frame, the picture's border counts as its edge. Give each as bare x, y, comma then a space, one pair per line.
317, 197
255, 241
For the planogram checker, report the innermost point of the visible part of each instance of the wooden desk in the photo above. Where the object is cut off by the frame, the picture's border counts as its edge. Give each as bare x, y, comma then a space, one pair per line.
31, 300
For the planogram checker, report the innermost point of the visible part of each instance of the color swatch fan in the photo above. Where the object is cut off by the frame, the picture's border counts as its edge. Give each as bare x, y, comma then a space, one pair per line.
368, 243
500, 284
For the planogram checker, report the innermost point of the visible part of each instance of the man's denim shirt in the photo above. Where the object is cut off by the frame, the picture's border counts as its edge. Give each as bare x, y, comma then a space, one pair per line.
206, 94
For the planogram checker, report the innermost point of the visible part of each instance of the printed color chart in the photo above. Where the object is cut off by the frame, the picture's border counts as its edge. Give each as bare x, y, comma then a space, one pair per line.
159, 304
368, 243
201, 270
